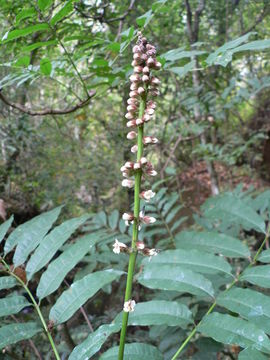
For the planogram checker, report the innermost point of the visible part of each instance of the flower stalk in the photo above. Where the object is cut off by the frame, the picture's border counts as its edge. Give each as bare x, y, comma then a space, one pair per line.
140, 110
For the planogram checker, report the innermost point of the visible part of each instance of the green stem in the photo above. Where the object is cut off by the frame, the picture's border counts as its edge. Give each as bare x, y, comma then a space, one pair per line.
133, 254
212, 307
36, 307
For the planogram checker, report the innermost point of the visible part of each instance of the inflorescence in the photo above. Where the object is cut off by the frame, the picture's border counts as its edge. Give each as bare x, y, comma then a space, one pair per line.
143, 88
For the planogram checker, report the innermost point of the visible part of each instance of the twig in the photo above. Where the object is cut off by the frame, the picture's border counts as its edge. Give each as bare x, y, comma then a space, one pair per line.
31, 112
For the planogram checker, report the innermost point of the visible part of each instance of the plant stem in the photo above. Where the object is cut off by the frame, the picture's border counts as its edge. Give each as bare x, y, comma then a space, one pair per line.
8, 270
193, 332
133, 254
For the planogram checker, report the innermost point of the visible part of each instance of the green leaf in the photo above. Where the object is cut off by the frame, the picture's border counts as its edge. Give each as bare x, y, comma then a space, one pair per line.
4, 227
64, 11
250, 304
53, 242
158, 312
183, 70
258, 275
180, 53
79, 292
23, 61
234, 210
44, 4
265, 256
24, 14
113, 219
92, 344
30, 234
144, 20
15, 34
213, 57
251, 354
175, 277
234, 331
52, 278
12, 305
212, 242
38, 45
134, 351
10, 334
194, 260
45, 67
7, 282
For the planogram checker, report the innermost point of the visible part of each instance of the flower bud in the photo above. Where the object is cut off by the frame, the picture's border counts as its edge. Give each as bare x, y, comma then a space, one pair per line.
137, 165
119, 247
157, 65
146, 70
147, 195
135, 63
128, 183
143, 161
129, 165
135, 49
145, 78
150, 62
149, 140
132, 108
147, 219
132, 135
141, 90
134, 86
150, 111
146, 117
151, 172
133, 94
129, 306
155, 81
134, 149
139, 122
135, 78
131, 123
138, 69
140, 245
137, 56
151, 104
127, 216
129, 116
132, 101
155, 92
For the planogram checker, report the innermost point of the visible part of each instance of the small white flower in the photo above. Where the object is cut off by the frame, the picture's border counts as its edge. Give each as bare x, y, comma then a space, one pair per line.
148, 195
127, 216
134, 148
153, 252
117, 246
129, 306
147, 219
128, 183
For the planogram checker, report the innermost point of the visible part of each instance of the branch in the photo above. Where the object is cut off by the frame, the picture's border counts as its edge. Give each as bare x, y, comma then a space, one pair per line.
258, 20
31, 112
197, 15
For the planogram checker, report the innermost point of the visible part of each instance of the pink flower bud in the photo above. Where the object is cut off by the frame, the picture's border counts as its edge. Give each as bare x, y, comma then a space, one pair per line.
138, 69
140, 245
133, 94
139, 122
151, 104
155, 81
134, 149
151, 172
128, 183
135, 63
137, 165
131, 135
147, 219
146, 70
123, 168
146, 117
128, 216
147, 195
150, 62
155, 92
132, 101
145, 78
149, 140
150, 111
144, 57
157, 65
137, 56
119, 247
134, 86
135, 49
132, 108
141, 90
129, 165
143, 161
131, 123
135, 78
129, 116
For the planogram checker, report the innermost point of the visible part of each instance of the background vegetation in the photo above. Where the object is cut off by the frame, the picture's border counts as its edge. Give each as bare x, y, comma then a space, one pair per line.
64, 85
